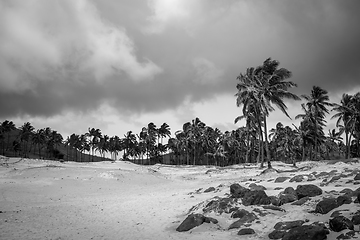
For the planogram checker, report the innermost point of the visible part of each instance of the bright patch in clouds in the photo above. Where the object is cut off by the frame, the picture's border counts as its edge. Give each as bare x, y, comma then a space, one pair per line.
56, 40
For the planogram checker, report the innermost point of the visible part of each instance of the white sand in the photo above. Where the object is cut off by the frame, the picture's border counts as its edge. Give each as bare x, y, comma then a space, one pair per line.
51, 200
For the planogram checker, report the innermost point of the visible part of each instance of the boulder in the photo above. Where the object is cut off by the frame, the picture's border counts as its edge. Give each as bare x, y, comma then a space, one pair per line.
240, 213
301, 201
221, 205
306, 232
297, 178
347, 191
210, 189
288, 224
275, 200
238, 191
343, 199
357, 177
194, 220
287, 198
277, 234
281, 179
257, 197
356, 219
246, 218
326, 205
290, 190
308, 190
340, 223
348, 235
246, 231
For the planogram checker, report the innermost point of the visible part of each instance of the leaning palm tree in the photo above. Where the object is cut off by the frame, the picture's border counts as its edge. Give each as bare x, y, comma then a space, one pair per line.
8, 127
264, 86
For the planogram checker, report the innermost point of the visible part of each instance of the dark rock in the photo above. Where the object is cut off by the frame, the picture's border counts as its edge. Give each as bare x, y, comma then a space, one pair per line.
326, 205
277, 234
297, 178
301, 201
211, 220
337, 213
221, 205
281, 179
210, 189
246, 231
306, 232
194, 220
254, 186
238, 191
322, 174
340, 223
344, 199
247, 218
257, 197
278, 188
357, 177
308, 190
290, 190
240, 213
347, 191
348, 235
275, 200
287, 198
288, 225
356, 219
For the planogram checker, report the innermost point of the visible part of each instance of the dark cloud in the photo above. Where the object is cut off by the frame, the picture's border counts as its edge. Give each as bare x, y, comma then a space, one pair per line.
194, 54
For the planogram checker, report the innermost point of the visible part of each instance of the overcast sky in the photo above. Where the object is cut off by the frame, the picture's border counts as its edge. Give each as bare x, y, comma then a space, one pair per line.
119, 64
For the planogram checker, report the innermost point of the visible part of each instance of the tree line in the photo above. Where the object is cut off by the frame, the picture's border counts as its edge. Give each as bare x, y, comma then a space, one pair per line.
259, 90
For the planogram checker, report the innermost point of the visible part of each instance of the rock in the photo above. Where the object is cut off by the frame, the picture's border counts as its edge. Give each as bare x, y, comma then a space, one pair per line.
340, 223
357, 177
247, 218
240, 213
287, 198
278, 188
308, 190
254, 186
281, 179
221, 205
288, 225
301, 201
290, 190
356, 219
275, 208
275, 200
326, 205
277, 234
238, 191
194, 220
297, 178
347, 191
337, 213
344, 199
257, 197
210, 189
348, 235
246, 231
306, 232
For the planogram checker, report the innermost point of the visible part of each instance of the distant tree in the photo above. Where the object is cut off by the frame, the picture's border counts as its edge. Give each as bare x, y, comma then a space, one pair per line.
26, 131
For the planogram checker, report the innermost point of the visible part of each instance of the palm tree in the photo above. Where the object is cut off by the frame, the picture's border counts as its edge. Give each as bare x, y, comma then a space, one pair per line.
129, 142
317, 103
38, 138
7, 127
263, 86
96, 135
26, 130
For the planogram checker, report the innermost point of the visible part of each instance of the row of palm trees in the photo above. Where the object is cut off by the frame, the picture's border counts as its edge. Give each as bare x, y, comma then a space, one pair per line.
259, 90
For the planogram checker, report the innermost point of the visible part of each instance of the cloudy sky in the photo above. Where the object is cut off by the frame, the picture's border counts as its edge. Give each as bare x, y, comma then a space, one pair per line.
119, 64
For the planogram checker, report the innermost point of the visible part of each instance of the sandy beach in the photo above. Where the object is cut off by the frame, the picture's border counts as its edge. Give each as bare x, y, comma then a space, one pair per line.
42, 199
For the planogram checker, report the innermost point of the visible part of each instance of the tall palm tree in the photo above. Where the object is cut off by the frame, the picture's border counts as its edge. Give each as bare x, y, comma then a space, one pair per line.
8, 127
317, 104
95, 134
38, 139
26, 130
264, 86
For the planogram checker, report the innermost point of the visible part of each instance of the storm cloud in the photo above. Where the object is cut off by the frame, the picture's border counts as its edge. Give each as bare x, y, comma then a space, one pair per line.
140, 57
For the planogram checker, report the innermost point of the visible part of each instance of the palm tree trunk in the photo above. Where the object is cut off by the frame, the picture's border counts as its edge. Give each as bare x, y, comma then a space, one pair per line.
267, 144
